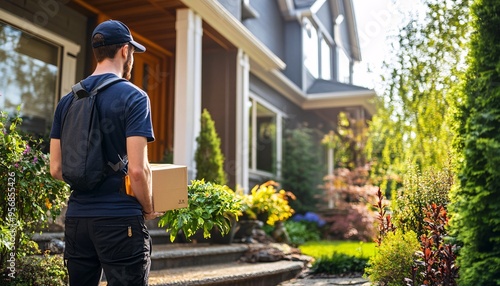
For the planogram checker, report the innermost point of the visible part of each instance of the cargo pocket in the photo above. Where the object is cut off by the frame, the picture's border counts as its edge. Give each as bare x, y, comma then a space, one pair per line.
115, 243
70, 228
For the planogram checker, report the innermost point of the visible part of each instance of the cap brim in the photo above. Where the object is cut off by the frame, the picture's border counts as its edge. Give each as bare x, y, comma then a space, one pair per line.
138, 47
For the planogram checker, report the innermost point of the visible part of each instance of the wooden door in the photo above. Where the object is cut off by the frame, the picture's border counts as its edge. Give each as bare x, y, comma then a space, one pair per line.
152, 73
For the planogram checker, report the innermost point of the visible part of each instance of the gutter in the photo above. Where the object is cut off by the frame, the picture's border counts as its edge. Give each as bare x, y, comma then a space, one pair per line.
233, 30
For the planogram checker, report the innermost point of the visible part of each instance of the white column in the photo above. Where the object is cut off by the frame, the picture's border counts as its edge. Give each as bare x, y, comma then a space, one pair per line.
187, 109
242, 119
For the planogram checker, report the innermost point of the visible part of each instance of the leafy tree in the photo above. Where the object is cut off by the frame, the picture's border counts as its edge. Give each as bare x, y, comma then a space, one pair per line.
302, 170
412, 127
208, 156
475, 202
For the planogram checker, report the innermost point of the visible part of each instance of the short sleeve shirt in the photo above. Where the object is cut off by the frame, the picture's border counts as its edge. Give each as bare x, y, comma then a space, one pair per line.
124, 111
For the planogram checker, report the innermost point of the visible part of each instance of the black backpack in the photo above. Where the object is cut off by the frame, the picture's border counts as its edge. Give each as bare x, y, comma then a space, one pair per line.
84, 161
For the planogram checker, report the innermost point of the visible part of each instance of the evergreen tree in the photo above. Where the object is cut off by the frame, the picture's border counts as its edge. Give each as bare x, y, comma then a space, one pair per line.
208, 156
476, 201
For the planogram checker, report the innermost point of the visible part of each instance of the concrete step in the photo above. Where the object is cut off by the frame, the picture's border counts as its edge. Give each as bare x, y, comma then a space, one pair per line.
229, 274
168, 256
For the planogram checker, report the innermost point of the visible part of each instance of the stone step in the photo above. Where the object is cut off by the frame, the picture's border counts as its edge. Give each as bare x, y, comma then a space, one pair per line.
233, 274
168, 256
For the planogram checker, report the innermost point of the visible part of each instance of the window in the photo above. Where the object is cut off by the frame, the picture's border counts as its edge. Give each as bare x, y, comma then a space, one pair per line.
317, 52
344, 66
265, 139
326, 60
311, 55
29, 69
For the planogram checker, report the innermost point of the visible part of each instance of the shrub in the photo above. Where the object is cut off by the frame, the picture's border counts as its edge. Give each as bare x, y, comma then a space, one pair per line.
476, 205
208, 156
301, 232
393, 261
209, 205
436, 260
267, 204
351, 216
419, 191
339, 263
300, 168
32, 196
41, 270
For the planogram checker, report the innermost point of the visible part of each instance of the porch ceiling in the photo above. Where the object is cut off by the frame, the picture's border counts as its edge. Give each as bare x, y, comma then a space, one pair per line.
151, 21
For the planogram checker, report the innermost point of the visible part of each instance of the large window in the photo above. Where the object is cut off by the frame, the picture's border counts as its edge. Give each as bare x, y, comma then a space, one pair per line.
29, 72
265, 139
344, 66
317, 51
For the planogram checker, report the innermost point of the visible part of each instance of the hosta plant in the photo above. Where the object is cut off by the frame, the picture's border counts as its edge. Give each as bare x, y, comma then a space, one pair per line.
209, 205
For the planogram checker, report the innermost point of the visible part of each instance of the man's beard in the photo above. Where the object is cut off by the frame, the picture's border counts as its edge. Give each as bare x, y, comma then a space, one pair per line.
127, 67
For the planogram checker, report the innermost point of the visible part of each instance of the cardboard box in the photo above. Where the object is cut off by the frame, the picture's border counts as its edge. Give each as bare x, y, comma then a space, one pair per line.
169, 187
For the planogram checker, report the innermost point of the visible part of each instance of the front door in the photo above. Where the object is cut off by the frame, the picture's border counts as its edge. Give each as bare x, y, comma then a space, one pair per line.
153, 73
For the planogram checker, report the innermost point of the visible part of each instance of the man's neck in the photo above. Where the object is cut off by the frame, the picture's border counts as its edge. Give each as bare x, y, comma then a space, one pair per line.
109, 66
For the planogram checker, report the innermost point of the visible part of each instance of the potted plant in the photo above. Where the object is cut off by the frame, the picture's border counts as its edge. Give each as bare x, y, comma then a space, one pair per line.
209, 206
263, 205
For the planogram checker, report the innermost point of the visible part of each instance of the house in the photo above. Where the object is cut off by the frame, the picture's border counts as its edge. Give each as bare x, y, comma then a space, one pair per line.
258, 66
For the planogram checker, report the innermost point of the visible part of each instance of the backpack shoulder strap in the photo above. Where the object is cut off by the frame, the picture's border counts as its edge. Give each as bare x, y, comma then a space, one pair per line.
80, 92
104, 84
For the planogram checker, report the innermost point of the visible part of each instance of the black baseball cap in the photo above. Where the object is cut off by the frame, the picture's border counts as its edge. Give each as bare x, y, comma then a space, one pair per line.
115, 32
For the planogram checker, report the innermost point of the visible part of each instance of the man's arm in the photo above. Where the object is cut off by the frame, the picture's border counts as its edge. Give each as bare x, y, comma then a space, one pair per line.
55, 159
139, 173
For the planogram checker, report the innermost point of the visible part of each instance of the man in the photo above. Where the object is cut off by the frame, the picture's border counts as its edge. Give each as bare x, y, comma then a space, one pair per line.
104, 228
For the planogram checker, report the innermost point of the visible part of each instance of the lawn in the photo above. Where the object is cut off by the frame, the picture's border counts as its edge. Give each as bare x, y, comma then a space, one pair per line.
318, 249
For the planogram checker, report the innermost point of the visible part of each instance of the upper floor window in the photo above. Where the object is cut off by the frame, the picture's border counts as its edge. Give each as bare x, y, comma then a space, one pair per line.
343, 67
317, 51
29, 69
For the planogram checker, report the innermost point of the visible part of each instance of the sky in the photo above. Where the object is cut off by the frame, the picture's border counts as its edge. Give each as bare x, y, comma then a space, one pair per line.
376, 21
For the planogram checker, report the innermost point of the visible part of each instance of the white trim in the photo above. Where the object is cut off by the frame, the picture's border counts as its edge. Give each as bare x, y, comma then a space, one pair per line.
242, 120
69, 51
187, 88
233, 30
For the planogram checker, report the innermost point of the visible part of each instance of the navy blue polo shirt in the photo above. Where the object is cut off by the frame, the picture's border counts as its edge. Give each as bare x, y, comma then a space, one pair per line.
124, 111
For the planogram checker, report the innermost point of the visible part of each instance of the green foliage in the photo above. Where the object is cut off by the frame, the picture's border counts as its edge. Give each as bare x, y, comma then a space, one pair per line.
393, 261
31, 195
412, 124
41, 270
301, 232
267, 204
419, 191
209, 205
339, 263
301, 168
475, 207
208, 155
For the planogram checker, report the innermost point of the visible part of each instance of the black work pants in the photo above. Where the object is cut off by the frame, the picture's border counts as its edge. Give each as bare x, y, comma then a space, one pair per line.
121, 246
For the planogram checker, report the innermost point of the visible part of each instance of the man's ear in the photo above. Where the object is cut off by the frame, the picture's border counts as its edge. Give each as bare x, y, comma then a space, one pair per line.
124, 50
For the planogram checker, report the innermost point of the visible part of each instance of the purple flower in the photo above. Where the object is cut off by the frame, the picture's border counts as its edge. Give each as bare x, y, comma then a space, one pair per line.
27, 150
35, 159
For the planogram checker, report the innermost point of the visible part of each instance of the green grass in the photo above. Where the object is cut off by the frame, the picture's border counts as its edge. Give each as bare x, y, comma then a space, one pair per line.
318, 249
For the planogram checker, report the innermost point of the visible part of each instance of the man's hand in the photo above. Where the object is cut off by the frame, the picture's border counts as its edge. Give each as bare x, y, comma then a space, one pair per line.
152, 215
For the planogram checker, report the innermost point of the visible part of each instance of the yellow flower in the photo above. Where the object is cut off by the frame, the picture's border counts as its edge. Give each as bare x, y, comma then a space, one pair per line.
48, 204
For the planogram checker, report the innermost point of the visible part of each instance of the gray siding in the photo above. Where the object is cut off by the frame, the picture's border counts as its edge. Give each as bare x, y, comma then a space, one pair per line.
268, 27
219, 98
293, 53
295, 115
325, 16
59, 19
233, 6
